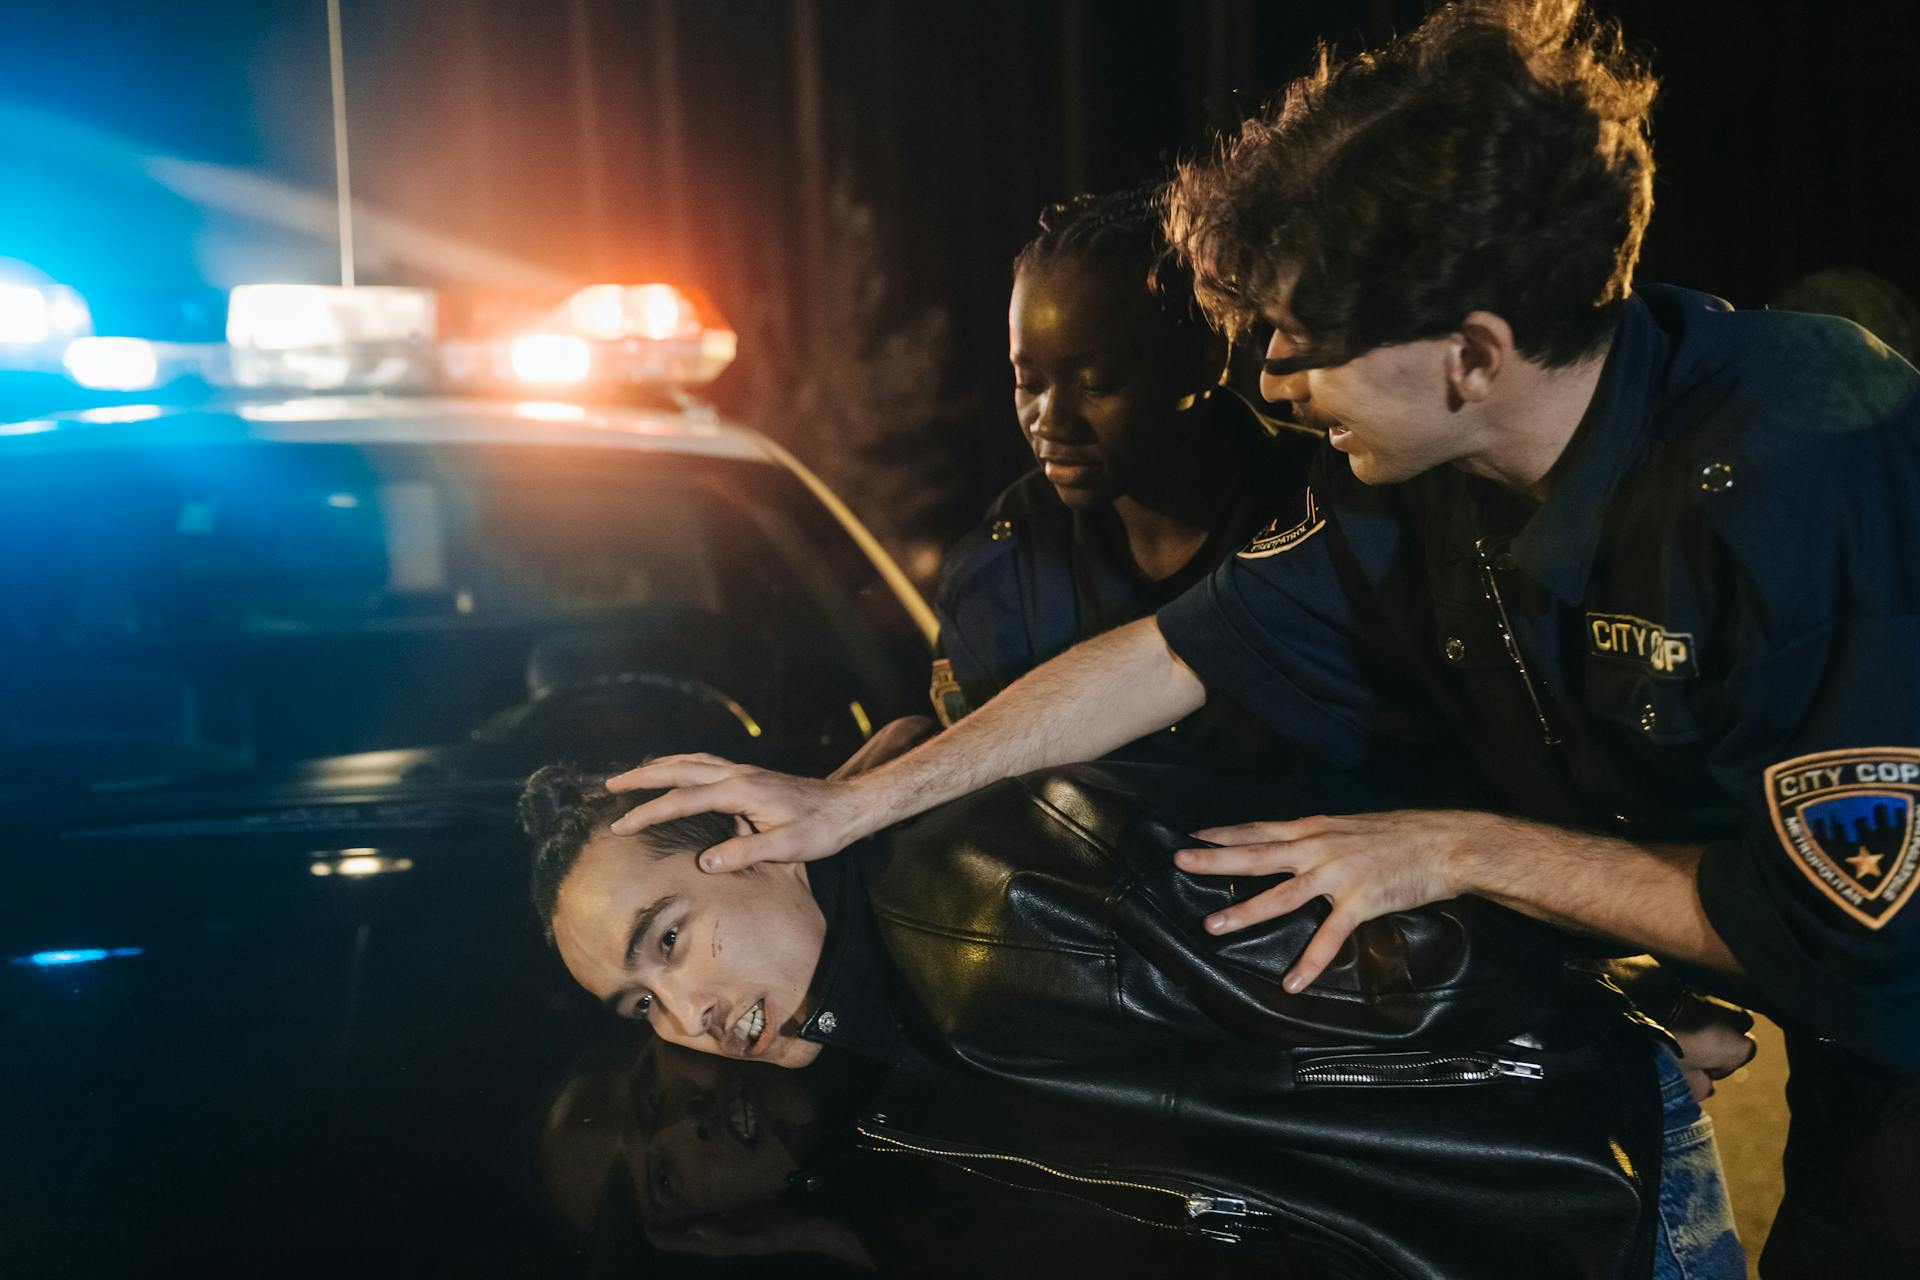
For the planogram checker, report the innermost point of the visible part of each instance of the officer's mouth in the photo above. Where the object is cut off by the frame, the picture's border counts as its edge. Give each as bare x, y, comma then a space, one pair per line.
1066, 468
1339, 437
1069, 475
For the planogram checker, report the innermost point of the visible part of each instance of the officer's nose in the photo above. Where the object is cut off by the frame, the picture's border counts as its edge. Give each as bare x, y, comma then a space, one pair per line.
1291, 386
1053, 417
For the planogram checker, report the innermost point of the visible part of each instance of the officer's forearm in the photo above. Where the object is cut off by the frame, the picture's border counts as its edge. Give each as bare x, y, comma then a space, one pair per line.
1644, 895
1096, 696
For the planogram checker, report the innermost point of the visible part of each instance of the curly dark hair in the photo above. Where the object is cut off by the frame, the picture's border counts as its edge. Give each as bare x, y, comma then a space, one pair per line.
562, 807
1122, 230
1497, 158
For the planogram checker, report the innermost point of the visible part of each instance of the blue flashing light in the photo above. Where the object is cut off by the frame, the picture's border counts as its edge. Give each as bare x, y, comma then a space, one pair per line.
54, 959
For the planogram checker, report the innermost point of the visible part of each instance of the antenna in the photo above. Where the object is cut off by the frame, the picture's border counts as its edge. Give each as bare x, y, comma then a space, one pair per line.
343, 187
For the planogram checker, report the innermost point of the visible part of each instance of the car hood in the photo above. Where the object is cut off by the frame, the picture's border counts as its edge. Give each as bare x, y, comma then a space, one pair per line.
304, 1027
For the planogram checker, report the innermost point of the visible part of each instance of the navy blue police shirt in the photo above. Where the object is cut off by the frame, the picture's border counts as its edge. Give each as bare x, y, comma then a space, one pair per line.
1708, 632
1035, 578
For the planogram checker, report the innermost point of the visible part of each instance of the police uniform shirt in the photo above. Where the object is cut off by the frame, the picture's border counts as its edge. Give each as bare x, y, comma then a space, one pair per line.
1034, 578
1709, 632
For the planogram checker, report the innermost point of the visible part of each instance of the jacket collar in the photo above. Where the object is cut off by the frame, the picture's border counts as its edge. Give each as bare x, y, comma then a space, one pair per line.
849, 999
1557, 546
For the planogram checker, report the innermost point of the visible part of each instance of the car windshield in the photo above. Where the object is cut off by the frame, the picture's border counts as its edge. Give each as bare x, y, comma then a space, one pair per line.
175, 609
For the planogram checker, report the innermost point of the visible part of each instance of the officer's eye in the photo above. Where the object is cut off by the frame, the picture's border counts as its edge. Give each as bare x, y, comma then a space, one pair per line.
1027, 386
667, 940
641, 1007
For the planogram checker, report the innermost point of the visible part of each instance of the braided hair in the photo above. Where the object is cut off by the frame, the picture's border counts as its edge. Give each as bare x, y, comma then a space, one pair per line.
1121, 229
562, 808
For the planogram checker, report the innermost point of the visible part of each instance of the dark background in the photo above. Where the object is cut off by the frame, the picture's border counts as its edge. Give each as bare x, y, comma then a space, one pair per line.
847, 178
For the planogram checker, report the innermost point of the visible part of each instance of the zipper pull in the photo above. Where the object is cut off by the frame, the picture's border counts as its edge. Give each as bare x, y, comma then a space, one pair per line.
1520, 1070
1199, 1205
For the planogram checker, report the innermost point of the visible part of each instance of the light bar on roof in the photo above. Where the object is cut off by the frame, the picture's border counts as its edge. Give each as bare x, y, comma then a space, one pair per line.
550, 358
326, 337
292, 317
609, 312
33, 314
112, 364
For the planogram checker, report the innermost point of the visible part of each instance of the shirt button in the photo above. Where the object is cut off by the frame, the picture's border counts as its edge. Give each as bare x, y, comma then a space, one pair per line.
1716, 477
1649, 720
1455, 648
1001, 530
827, 1022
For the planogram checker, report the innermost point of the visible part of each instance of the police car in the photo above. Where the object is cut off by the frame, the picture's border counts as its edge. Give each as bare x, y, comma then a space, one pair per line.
269, 579
285, 619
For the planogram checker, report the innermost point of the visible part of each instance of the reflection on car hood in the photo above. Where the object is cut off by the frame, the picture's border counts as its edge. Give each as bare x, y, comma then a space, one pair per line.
239, 1062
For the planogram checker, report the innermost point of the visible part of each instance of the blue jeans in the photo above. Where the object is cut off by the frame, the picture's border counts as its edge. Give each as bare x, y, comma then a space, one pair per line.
1696, 1240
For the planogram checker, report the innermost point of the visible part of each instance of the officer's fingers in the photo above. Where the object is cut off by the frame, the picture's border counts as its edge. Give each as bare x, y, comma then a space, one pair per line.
1699, 1083
1720, 1071
1266, 905
673, 771
1244, 860
1321, 951
682, 802
791, 843
1262, 832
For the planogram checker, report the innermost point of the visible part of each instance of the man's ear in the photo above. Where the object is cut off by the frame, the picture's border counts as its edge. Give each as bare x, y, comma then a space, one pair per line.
1481, 349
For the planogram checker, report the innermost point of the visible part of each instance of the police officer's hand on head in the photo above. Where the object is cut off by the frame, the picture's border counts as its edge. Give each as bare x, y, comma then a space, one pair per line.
790, 819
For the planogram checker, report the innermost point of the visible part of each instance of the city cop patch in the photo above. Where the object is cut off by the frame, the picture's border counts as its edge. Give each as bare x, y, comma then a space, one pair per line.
1846, 818
1272, 540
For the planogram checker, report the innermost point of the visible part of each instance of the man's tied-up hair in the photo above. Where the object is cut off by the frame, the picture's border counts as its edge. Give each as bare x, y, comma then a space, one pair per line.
563, 807
1496, 159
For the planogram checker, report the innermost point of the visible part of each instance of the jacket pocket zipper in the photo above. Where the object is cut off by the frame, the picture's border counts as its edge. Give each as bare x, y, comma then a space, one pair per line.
1463, 1068
1198, 1206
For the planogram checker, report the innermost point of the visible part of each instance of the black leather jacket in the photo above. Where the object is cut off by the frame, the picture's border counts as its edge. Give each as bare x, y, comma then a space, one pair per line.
1448, 1100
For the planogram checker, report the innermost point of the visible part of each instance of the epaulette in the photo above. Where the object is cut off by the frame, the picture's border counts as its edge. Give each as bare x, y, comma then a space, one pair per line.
1008, 520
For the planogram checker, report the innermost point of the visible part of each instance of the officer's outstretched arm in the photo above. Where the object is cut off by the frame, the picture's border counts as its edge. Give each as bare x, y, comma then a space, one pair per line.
1089, 700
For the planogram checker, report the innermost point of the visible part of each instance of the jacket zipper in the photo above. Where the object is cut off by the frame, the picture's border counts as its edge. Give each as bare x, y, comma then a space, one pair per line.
1471, 1068
1490, 587
1197, 1205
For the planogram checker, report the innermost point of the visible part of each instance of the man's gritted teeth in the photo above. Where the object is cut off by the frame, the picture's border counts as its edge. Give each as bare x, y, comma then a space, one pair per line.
743, 1038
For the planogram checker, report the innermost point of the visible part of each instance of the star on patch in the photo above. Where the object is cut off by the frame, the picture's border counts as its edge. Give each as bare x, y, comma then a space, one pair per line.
1865, 864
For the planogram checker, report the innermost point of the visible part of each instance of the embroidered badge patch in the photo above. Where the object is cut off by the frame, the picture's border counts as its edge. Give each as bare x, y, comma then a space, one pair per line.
1623, 637
1847, 820
1273, 539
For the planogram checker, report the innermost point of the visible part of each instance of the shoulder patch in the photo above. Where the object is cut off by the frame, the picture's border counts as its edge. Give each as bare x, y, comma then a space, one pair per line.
1846, 818
1273, 539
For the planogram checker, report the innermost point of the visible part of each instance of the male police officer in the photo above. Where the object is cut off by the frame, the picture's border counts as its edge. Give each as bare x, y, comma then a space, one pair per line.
1654, 561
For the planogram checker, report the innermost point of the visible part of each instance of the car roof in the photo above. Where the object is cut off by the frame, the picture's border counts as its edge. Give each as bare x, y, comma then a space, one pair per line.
372, 419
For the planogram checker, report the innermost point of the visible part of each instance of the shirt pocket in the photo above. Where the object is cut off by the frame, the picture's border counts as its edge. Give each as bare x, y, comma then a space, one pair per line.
1654, 710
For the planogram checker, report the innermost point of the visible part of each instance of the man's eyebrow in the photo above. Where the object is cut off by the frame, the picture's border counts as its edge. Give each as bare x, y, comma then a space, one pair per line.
642, 921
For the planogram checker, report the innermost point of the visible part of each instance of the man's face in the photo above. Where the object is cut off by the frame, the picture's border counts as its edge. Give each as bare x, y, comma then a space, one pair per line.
1096, 393
718, 963
712, 1136
1388, 409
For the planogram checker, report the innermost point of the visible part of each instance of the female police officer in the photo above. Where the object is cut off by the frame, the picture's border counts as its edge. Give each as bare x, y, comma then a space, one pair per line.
1150, 473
